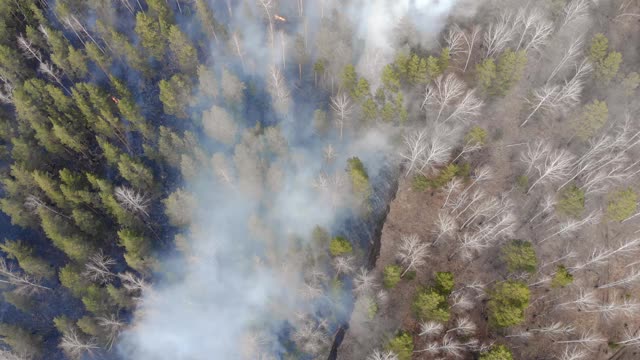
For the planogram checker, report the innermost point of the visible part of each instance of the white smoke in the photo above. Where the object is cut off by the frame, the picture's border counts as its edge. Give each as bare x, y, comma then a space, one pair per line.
243, 272
379, 21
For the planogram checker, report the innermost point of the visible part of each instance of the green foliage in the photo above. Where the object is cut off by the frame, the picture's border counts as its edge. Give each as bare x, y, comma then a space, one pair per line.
593, 117
508, 303
391, 276
151, 38
401, 345
476, 136
622, 204
349, 79
21, 341
28, 261
561, 278
630, 83
135, 172
372, 307
486, 74
390, 78
22, 302
89, 326
63, 324
520, 256
523, 182
606, 63
443, 60
12, 66
184, 55
96, 300
175, 95
362, 90
370, 109
509, 70
598, 48
497, 352
180, 207
137, 250
71, 278
429, 304
119, 297
64, 236
444, 283
208, 19
340, 246
571, 201
359, 179
421, 182
497, 79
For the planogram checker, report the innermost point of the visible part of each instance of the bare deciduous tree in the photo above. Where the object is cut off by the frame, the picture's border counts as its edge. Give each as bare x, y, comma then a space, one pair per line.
23, 283
551, 165
533, 28
132, 200
430, 328
424, 152
98, 268
585, 300
588, 339
267, 5
133, 283
547, 205
571, 226
499, 34
364, 282
29, 49
342, 106
445, 225
311, 337
33, 203
452, 186
76, 347
573, 353
444, 90
573, 11
380, 355
467, 108
573, 51
470, 41
344, 264
600, 256
464, 326
461, 301
412, 252
53, 73
112, 326
279, 91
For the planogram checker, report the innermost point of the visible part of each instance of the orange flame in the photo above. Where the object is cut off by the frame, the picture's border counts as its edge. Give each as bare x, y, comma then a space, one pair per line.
279, 18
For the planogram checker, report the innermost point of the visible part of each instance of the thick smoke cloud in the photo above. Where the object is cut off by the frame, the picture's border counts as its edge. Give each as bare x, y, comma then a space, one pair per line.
239, 285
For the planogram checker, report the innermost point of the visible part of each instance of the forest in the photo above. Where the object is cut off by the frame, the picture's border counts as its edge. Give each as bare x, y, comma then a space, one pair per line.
319, 179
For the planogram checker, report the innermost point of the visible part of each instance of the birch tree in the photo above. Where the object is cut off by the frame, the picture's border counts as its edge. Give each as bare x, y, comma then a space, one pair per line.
99, 268
499, 34
76, 347
22, 283
342, 107
412, 253
554, 166
132, 200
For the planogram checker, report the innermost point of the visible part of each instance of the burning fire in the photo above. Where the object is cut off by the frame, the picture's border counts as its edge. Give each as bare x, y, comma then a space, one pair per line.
279, 18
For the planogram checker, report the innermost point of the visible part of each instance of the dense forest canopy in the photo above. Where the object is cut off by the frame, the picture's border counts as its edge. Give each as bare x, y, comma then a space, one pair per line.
311, 179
